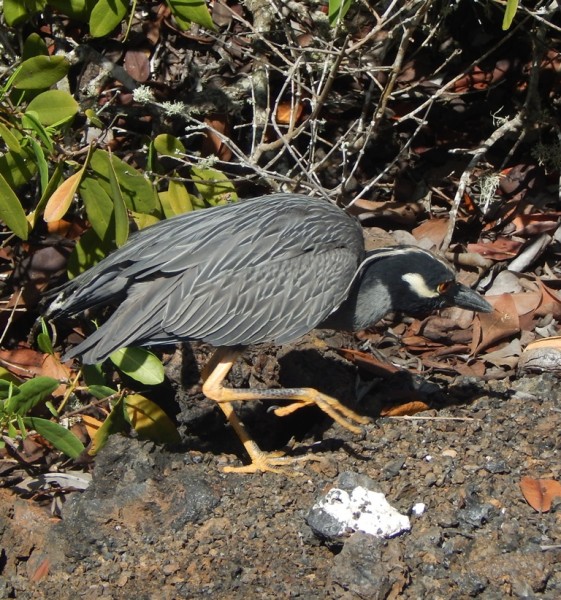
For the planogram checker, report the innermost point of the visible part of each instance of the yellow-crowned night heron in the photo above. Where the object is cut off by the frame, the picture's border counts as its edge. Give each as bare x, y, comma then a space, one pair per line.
265, 270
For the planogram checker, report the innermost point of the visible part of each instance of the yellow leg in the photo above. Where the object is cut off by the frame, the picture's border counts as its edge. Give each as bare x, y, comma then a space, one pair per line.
217, 370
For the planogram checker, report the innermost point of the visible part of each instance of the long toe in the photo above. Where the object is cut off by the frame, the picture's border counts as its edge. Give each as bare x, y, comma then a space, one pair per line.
267, 462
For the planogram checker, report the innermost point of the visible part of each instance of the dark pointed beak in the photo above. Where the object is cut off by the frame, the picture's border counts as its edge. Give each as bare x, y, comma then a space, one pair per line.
464, 297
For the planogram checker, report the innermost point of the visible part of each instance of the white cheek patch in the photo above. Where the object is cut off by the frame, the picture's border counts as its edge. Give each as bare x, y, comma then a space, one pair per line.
418, 284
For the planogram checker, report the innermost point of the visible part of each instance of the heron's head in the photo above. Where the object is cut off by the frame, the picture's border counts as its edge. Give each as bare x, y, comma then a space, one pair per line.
418, 282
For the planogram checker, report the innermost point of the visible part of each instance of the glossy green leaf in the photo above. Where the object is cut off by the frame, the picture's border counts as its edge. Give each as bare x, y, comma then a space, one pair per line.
510, 13
10, 139
168, 145
30, 393
76, 9
179, 199
101, 391
34, 45
213, 186
41, 162
140, 364
93, 118
115, 423
52, 185
106, 15
31, 121
99, 207
137, 190
17, 12
53, 106
191, 11
60, 437
88, 251
337, 10
11, 211
94, 376
119, 207
40, 72
18, 168
150, 421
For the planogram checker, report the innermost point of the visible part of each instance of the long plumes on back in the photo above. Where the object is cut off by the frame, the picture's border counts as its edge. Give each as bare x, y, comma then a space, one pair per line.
269, 269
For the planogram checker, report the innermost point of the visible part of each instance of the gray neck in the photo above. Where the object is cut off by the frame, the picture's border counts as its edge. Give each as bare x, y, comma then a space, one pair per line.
368, 302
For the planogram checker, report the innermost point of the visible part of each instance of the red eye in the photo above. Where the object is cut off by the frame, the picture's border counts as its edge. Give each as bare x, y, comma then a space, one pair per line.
443, 287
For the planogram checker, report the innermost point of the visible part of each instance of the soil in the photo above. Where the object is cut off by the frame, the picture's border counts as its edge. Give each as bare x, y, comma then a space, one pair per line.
165, 523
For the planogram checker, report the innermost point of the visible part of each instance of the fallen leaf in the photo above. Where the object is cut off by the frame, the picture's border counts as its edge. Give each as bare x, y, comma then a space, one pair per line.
498, 325
41, 571
540, 493
411, 408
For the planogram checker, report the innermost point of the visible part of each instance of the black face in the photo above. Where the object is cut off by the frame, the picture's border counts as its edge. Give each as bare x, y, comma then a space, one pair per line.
422, 283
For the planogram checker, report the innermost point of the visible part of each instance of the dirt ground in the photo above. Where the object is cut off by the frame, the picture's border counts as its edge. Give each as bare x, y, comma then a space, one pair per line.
159, 523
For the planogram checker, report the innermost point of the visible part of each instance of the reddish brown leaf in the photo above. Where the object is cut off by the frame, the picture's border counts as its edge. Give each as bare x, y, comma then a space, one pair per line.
411, 408
539, 493
368, 362
41, 571
434, 230
288, 112
213, 141
499, 249
498, 325
137, 64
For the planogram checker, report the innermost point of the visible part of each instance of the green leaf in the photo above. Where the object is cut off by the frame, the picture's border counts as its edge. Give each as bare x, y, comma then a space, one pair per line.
191, 11
94, 376
75, 9
11, 211
140, 364
41, 72
150, 421
93, 118
213, 186
178, 198
101, 391
337, 10
89, 250
53, 107
41, 162
106, 15
137, 190
10, 139
114, 423
52, 185
168, 145
30, 120
99, 207
18, 168
17, 12
34, 45
510, 13
30, 393
119, 207
58, 436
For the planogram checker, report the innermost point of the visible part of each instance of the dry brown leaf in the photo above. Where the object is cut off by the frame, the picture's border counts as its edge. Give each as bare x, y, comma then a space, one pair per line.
92, 425
23, 361
288, 112
499, 249
411, 408
550, 342
213, 140
498, 325
434, 230
368, 362
539, 493
52, 367
41, 571
137, 64
535, 224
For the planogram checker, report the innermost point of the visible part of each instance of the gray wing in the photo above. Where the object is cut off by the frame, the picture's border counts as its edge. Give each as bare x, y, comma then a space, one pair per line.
270, 269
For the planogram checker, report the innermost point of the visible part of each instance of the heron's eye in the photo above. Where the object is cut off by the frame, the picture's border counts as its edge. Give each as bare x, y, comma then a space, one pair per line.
443, 287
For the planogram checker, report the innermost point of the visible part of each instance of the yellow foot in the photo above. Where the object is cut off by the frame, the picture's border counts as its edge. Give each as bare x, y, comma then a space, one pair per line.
337, 411
273, 462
